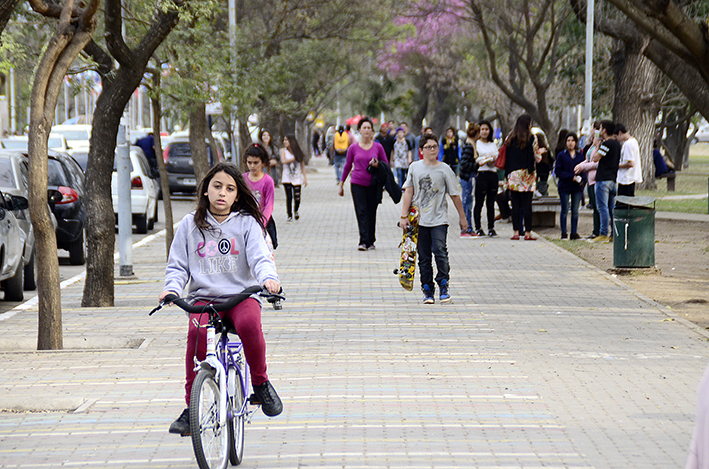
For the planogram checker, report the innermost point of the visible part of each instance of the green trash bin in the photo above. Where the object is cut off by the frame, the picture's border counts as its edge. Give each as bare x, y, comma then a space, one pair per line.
634, 232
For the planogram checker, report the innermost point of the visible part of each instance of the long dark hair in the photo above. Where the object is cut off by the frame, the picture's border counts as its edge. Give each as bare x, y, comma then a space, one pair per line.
561, 143
295, 148
256, 150
490, 136
245, 202
522, 132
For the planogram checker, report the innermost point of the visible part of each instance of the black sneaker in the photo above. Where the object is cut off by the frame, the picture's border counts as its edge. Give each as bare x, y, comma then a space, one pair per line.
181, 426
269, 400
479, 232
492, 233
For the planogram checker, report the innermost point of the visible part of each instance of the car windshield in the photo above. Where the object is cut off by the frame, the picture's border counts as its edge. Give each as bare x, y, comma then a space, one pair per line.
14, 144
55, 142
6, 179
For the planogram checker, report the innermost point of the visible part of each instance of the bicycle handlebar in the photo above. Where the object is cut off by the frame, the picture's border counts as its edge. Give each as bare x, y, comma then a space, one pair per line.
233, 301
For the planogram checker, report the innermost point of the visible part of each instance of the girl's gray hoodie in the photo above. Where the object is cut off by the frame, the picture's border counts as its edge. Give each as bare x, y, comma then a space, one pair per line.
232, 256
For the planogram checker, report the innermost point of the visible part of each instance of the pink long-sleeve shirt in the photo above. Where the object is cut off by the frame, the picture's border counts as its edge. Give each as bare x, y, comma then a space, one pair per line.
264, 191
358, 160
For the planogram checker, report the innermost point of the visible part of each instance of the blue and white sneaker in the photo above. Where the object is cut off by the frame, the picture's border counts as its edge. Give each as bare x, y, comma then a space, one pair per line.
427, 295
445, 296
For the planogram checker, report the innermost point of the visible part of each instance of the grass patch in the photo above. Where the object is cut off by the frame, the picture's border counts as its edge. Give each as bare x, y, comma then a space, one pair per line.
684, 206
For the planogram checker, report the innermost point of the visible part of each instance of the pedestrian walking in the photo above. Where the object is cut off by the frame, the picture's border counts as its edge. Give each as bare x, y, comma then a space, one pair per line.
570, 185
340, 143
262, 187
468, 170
608, 158
402, 157
199, 269
522, 156
426, 186
366, 197
486, 182
449, 149
294, 177
386, 139
274, 160
316, 143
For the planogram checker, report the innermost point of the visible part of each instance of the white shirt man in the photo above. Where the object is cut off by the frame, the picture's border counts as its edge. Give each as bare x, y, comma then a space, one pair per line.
629, 168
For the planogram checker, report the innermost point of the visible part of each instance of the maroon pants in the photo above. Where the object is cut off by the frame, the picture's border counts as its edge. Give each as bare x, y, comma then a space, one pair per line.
246, 318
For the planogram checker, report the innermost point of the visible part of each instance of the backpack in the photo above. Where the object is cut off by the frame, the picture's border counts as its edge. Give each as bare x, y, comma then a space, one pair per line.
341, 141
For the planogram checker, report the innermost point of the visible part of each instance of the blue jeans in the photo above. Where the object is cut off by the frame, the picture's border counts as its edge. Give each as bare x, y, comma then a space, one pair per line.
432, 241
605, 199
401, 175
575, 203
596, 216
339, 164
467, 198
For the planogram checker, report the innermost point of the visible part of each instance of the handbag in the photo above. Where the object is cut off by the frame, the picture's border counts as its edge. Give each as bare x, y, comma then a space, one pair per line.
501, 157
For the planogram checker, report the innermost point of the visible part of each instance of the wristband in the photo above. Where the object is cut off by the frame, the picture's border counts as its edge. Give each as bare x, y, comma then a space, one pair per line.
405, 217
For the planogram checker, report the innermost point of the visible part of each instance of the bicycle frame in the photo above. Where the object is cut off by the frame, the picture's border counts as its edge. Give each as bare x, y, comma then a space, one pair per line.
217, 359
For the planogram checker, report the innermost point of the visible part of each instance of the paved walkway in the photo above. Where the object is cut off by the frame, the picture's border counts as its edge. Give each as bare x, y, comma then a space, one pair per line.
540, 361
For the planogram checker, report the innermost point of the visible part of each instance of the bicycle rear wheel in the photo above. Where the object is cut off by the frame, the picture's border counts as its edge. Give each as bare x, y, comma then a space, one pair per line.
209, 439
237, 419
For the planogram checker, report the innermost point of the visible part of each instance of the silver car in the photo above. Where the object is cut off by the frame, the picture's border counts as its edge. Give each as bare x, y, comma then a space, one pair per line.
12, 245
14, 174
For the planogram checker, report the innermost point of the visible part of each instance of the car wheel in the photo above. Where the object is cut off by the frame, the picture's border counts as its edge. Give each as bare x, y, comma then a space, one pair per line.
14, 286
151, 224
77, 254
31, 274
141, 224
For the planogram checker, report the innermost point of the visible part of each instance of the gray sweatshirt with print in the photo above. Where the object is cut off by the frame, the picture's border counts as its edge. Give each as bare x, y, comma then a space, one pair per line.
220, 262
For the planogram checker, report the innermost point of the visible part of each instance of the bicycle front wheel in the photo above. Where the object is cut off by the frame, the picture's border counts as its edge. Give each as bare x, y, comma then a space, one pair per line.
209, 439
237, 419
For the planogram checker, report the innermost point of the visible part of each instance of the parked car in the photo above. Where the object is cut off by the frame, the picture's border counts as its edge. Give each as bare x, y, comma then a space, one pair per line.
81, 155
12, 243
14, 177
702, 134
66, 177
143, 194
21, 142
179, 164
77, 135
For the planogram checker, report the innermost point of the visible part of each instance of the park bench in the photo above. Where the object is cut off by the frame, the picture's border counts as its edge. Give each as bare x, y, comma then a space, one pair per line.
670, 180
544, 210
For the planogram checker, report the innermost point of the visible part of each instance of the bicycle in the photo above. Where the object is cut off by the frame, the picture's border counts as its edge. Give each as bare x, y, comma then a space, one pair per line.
218, 398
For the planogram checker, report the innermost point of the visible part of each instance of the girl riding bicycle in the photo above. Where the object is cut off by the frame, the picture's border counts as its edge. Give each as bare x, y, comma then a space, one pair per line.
218, 251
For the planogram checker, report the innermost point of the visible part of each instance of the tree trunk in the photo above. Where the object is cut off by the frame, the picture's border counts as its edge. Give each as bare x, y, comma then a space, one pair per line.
164, 183
71, 37
421, 108
636, 102
118, 87
198, 144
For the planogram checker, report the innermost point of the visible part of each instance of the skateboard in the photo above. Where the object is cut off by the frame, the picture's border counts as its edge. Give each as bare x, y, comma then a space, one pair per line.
407, 265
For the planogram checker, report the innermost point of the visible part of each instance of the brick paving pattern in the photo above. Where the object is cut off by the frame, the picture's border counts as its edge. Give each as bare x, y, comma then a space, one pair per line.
541, 360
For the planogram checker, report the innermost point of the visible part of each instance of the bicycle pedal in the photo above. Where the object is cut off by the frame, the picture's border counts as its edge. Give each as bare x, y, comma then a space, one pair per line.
253, 400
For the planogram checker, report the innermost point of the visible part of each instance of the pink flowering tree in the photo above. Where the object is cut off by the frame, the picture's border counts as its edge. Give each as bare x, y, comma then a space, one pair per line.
428, 53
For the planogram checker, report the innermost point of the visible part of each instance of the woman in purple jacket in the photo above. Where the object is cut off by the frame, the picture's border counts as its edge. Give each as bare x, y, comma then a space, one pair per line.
570, 184
366, 199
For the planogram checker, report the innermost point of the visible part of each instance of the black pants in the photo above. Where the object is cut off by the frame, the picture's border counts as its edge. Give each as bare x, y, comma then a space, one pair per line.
521, 202
503, 203
626, 189
271, 230
485, 190
292, 192
366, 203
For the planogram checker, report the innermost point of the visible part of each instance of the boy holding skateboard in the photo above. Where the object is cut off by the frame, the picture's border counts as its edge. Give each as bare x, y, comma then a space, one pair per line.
426, 186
